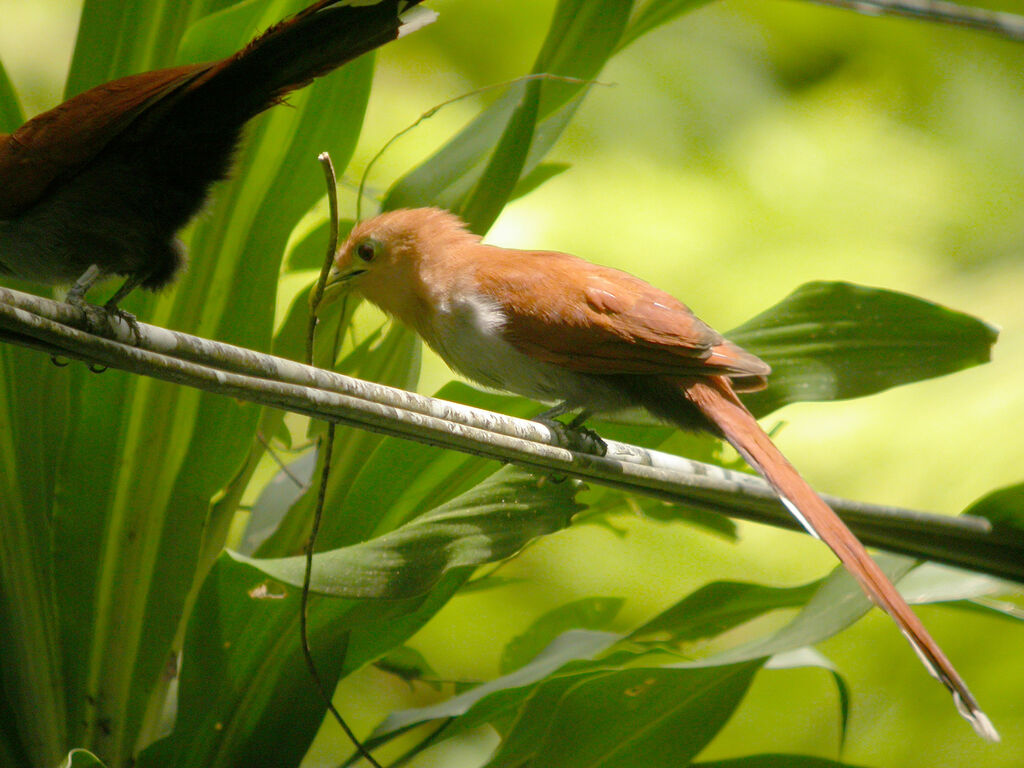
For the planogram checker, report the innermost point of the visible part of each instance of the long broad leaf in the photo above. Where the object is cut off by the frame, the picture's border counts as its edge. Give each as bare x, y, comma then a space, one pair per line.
1004, 507
718, 607
775, 761
286, 184
245, 696
256, 685
828, 607
118, 39
586, 613
11, 114
492, 190
33, 418
655, 13
630, 717
709, 611
496, 698
489, 523
809, 657
33, 428
836, 604
378, 484
582, 36
830, 341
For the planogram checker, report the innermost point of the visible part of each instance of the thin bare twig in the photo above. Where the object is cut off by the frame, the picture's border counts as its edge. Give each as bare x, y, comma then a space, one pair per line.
332, 247
326, 450
296, 480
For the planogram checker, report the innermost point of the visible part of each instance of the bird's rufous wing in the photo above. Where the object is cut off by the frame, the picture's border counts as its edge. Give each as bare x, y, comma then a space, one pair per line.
593, 319
59, 142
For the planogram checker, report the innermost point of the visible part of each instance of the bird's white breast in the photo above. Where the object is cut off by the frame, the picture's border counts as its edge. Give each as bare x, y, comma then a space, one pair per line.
468, 333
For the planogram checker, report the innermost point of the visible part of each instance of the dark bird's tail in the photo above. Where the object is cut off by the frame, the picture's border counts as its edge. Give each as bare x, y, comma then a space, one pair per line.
187, 138
313, 42
286, 57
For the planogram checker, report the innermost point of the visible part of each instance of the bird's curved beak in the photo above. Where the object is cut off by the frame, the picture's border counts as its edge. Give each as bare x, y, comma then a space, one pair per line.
338, 283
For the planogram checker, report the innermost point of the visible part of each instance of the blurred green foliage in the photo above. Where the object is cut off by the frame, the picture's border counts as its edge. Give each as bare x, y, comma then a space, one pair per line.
745, 149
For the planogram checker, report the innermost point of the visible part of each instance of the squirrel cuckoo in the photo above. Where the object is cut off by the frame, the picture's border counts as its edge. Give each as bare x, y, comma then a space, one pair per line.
101, 184
555, 328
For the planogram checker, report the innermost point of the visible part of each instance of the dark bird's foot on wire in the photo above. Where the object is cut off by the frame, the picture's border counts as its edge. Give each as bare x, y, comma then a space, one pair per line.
102, 321
112, 311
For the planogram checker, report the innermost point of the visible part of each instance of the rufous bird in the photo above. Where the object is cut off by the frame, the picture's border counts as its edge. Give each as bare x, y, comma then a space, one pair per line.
101, 184
552, 327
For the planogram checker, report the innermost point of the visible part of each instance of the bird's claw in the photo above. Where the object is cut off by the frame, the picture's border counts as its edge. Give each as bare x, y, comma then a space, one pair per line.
575, 437
101, 321
95, 319
588, 440
127, 318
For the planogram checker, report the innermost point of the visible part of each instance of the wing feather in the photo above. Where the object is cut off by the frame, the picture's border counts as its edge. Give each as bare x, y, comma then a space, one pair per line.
593, 319
40, 152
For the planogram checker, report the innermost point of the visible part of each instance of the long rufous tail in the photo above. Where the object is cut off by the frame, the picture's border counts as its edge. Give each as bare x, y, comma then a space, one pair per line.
718, 403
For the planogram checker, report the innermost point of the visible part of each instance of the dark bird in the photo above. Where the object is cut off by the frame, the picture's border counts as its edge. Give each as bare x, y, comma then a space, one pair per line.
100, 185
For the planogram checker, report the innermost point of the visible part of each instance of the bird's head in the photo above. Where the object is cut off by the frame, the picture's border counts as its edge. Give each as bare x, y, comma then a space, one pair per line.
397, 258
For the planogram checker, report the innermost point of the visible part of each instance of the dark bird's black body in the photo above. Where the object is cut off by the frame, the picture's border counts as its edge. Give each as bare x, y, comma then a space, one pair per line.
105, 181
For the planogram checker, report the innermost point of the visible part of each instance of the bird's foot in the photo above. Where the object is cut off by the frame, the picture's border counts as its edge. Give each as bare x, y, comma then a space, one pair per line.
575, 436
112, 311
102, 321
95, 319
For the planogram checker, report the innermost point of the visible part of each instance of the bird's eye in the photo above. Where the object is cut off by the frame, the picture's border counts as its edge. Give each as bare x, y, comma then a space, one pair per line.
367, 250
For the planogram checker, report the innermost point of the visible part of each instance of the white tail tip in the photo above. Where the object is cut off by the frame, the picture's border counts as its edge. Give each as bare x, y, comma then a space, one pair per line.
415, 18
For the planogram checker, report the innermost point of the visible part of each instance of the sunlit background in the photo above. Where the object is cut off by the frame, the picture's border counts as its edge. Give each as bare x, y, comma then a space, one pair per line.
739, 152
